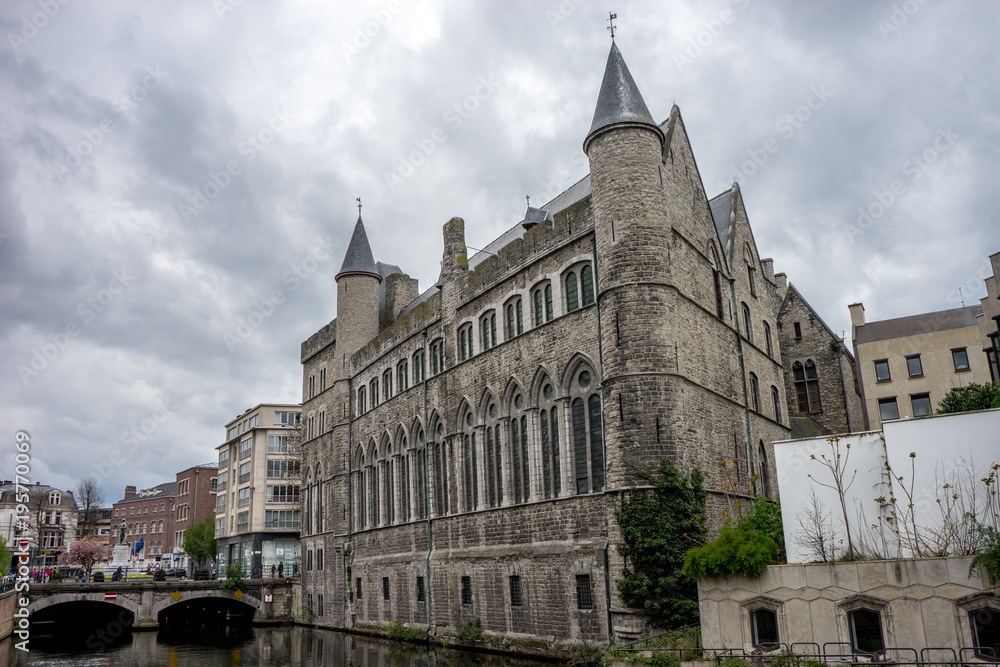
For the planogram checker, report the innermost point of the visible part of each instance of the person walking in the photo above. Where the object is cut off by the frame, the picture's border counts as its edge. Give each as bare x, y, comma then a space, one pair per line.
274, 569
281, 567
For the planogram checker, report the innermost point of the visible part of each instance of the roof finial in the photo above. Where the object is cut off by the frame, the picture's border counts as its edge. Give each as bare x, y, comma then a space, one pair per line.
359, 206
527, 198
611, 20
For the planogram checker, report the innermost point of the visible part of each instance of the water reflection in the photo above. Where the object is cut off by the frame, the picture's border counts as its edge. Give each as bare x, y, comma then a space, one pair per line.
254, 646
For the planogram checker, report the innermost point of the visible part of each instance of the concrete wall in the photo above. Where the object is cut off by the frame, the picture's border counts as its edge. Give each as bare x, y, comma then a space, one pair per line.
922, 603
8, 602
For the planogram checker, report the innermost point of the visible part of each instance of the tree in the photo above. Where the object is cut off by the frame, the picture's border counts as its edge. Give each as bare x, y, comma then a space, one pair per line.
6, 557
86, 552
199, 540
973, 397
658, 527
89, 498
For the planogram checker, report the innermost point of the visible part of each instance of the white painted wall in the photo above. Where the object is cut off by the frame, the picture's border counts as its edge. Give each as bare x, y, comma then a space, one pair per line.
958, 449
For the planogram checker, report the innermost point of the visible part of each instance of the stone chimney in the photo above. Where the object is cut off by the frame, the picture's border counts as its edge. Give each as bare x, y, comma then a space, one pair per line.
767, 266
781, 282
400, 291
129, 492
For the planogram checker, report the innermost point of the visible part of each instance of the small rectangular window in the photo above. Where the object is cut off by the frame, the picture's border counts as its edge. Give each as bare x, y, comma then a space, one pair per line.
319, 559
515, 590
798, 331
584, 594
986, 632
466, 590
764, 624
921, 404
319, 605
882, 371
866, 631
421, 593
913, 366
357, 587
961, 359
385, 588
888, 409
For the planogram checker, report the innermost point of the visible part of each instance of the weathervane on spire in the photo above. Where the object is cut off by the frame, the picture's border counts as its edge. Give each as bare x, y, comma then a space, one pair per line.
611, 28
527, 198
359, 206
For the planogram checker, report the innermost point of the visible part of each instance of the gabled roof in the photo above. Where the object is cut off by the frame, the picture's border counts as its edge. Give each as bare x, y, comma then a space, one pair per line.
619, 101
359, 259
786, 298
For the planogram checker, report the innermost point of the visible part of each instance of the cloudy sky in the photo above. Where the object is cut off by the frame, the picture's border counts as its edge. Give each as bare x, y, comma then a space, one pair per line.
174, 171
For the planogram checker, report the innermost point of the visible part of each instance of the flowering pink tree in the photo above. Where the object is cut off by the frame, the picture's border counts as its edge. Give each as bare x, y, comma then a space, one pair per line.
86, 552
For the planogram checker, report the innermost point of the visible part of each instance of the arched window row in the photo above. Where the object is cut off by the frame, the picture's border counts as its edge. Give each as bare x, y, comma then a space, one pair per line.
525, 445
576, 287
407, 372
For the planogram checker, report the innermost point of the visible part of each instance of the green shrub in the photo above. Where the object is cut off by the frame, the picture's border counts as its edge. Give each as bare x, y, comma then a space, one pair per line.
764, 517
468, 631
736, 551
234, 577
401, 632
657, 529
972, 397
988, 553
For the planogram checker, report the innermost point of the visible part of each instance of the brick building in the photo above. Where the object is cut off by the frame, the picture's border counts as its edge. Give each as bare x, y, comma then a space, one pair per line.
149, 515
465, 448
820, 383
194, 500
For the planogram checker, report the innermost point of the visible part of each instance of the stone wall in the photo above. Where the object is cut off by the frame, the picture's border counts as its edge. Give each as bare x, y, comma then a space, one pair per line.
921, 603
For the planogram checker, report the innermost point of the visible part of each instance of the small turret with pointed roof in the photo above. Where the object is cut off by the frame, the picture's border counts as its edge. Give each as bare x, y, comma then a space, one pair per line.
359, 258
619, 104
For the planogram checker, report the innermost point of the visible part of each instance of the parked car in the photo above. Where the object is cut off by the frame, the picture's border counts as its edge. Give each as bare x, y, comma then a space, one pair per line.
177, 572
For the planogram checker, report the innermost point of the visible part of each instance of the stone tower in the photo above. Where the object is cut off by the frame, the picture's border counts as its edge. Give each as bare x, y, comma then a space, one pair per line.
624, 147
357, 300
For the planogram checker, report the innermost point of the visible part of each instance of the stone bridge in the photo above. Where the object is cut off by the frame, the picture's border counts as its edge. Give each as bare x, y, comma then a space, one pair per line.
146, 599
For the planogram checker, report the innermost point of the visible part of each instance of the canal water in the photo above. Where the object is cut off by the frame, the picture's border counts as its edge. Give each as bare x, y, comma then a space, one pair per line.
287, 645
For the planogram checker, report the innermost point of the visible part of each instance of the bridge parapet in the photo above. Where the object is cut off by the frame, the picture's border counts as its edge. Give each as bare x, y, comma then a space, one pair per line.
146, 599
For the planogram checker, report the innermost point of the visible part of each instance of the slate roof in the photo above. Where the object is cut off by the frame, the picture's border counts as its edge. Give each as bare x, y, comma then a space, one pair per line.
913, 325
359, 258
721, 207
167, 490
619, 100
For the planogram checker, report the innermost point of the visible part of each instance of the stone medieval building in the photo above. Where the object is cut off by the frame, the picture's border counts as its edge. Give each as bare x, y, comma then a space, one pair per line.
465, 448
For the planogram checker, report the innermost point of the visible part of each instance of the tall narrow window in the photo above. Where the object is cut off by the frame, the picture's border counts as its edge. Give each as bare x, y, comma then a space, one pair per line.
519, 449
584, 592
463, 352
510, 321
515, 590
440, 472
548, 302
572, 298
539, 314
387, 385
768, 347
776, 402
718, 294
466, 590
588, 444
361, 401
754, 392
587, 284
373, 388
806, 386
470, 465
494, 464
549, 423
752, 277
747, 328
765, 475
798, 331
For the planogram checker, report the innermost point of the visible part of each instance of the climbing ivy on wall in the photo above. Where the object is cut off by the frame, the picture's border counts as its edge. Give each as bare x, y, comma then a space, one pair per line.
658, 526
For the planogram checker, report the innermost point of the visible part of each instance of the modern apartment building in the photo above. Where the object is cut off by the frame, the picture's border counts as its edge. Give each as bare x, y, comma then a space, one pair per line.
195, 500
906, 365
258, 511
149, 516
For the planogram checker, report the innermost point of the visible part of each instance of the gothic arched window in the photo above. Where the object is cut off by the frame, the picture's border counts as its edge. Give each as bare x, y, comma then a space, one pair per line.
470, 465
549, 430
492, 457
519, 448
588, 443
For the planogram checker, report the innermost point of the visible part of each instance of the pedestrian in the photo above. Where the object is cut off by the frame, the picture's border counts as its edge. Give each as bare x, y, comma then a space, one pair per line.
281, 567
274, 568
295, 569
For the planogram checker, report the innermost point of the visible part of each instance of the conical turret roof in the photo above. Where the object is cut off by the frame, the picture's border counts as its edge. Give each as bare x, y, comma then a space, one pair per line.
620, 101
359, 258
